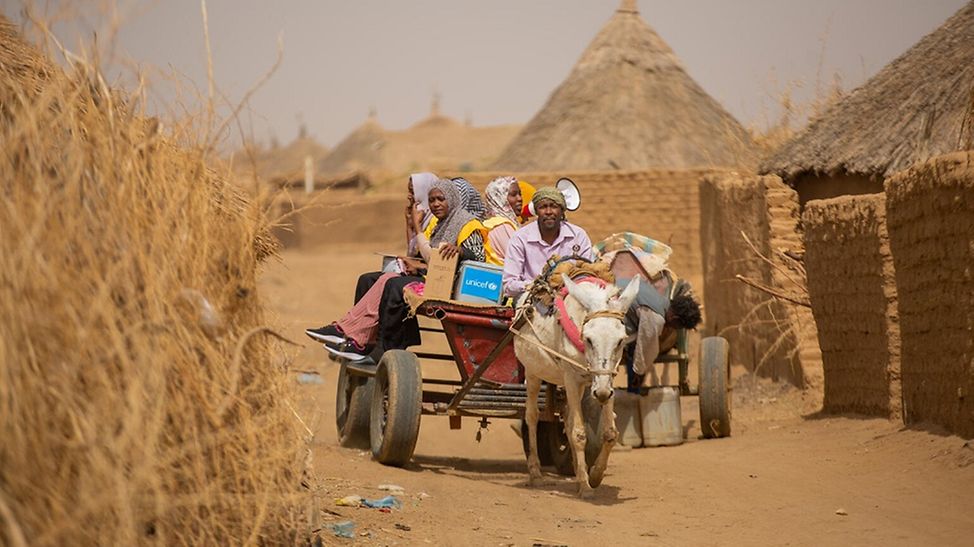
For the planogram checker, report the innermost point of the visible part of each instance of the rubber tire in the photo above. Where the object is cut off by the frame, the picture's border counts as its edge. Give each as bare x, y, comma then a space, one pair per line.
715, 404
558, 447
544, 448
353, 401
397, 405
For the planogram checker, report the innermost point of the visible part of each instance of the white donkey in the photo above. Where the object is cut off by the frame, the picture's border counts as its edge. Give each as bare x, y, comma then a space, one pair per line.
549, 355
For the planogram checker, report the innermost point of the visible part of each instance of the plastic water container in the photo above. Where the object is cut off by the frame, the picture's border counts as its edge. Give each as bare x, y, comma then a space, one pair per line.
628, 418
662, 423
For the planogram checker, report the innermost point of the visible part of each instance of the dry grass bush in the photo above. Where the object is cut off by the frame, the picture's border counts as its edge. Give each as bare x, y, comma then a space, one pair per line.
130, 412
794, 115
789, 288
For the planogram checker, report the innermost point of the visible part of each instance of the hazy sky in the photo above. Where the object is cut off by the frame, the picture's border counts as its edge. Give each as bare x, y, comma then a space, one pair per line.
495, 60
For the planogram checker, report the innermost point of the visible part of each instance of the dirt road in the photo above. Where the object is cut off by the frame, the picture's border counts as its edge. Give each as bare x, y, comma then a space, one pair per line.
786, 477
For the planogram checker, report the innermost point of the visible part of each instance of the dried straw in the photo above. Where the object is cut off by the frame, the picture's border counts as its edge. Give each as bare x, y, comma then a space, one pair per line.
123, 417
628, 103
912, 110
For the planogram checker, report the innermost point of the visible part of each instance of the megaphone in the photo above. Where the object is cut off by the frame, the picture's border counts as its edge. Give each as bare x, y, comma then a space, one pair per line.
573, 197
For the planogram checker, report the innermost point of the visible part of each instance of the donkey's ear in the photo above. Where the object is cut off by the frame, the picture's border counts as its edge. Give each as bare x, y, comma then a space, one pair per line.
583, 297
628, 295
569, 284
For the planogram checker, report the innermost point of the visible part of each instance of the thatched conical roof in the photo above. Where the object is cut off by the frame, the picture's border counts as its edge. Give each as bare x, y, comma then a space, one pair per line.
436, 119
435, 143
913, 109
360, 150
287, 162
628, 104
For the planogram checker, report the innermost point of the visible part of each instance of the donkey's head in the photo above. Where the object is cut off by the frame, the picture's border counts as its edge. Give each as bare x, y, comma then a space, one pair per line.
603, 330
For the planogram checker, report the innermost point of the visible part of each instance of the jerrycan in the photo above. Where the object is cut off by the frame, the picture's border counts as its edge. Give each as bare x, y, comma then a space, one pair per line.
628, 418
662, 423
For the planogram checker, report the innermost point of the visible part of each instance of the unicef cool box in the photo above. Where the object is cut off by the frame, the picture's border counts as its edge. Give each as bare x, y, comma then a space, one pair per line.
478, 282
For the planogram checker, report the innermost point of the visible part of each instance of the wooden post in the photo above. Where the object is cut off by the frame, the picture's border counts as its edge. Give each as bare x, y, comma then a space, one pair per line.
309, 175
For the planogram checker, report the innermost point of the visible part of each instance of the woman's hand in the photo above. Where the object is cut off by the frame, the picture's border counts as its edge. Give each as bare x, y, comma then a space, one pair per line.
416, 217
448, 251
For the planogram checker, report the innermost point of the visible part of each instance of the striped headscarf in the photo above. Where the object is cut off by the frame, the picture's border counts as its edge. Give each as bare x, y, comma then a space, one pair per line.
448, 229
470, 198
496, 194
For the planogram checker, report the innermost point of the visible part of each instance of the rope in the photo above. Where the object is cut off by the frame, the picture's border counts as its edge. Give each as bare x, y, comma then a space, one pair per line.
541, 289
621, 316
584, 370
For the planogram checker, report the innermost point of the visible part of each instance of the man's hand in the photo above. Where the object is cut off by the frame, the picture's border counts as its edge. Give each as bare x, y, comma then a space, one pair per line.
448, 251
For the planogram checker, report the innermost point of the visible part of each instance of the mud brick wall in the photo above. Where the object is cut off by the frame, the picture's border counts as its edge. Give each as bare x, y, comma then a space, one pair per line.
785, 232
662, 204
376, 221
852, 285
930, 215
765, 334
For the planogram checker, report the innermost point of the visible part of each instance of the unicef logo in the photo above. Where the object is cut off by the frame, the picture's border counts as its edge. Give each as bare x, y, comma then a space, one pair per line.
489, 285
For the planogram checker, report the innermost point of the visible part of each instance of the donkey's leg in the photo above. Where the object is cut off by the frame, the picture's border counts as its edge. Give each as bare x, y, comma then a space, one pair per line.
533, 387
575, 428
609, 436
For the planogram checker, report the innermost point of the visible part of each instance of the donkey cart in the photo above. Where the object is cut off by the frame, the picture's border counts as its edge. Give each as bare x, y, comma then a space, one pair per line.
379, 405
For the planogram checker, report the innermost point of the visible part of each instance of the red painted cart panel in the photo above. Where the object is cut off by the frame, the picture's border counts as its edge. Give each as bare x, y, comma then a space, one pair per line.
472, 333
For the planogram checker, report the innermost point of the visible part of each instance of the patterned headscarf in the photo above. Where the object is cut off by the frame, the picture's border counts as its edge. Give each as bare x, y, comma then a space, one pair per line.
496, 194
470, 198
448, 229
549, 192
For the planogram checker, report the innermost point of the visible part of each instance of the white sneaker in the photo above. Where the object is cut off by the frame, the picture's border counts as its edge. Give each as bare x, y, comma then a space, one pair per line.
344, 354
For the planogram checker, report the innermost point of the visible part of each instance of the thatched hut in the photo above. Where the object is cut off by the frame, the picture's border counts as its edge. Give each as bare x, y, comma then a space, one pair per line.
360, 150
436, 119
917, 107
628, 104
436, 143
286, 163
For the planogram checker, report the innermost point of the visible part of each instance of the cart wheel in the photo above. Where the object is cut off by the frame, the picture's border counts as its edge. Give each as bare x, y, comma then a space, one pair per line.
352, 402
715, 412
559, 448
544, 448
396, 408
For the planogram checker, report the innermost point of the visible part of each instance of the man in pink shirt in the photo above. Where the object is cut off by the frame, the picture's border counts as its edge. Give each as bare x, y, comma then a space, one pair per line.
533, 244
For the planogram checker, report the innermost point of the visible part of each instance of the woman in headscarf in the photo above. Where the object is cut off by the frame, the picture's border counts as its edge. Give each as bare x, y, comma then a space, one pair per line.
380, 316
418, 206
470, 198
417, 213
455, 232
503, 197
455, 229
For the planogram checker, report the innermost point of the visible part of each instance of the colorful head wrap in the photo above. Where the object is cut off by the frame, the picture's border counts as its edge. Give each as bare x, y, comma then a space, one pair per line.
550, 193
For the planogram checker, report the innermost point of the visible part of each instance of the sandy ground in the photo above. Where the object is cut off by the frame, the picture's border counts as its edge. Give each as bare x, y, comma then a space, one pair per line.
787, 476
